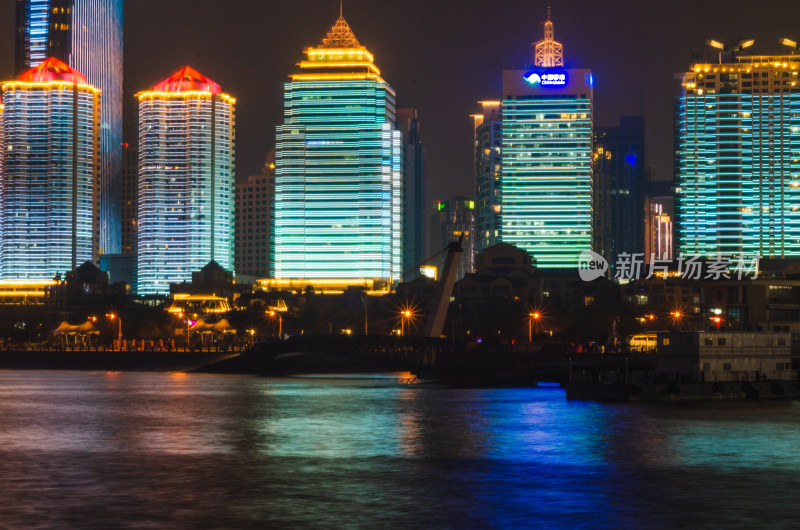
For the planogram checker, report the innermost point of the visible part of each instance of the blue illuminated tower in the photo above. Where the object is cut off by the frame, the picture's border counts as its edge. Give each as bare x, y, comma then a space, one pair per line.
186, 180
87, 35
545, 185
338, 181
51, 129
738, 157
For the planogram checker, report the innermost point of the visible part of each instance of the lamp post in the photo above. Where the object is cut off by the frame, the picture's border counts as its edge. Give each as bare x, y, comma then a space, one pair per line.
112, 316
272, 313
531, 317
405, 315
676, 319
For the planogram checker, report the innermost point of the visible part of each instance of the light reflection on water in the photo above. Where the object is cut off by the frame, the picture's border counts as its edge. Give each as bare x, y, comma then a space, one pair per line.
182, 450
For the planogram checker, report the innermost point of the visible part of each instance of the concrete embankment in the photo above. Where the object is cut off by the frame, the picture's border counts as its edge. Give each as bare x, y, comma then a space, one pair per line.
133, 361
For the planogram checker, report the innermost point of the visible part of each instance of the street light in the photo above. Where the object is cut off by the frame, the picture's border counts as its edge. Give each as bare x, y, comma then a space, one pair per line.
112, 316
677, 316
272, 314
535, 315
406, 314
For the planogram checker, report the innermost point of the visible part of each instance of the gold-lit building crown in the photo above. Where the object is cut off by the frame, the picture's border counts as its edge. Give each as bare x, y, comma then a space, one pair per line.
339, 56
340, 36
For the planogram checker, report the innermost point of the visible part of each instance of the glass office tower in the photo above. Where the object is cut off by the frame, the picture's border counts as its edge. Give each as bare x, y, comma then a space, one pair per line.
51, 134
338, 181
186, 180
545, 188
87, 35
738, 157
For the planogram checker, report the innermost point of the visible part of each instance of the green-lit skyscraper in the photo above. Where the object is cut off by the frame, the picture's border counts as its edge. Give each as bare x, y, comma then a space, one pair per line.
545, 183
338, 179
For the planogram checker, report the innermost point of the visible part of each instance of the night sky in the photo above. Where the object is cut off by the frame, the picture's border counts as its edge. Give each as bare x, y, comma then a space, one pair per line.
440, 56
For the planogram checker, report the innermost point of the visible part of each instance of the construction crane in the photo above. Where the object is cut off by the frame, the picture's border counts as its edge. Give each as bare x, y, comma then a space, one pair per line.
444, 288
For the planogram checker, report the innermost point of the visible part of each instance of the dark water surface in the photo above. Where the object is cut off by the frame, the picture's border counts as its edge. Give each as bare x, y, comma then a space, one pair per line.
148, 450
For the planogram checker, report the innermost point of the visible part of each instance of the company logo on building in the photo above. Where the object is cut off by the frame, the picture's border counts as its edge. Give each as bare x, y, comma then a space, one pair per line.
591, 265
546, 79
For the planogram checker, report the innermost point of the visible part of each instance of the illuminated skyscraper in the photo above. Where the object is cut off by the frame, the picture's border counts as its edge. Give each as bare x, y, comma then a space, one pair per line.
338, 181
186, 178
51, 134
87, 35
545, 186
488, 139
252, 220
620, 178
414, 213
738, 157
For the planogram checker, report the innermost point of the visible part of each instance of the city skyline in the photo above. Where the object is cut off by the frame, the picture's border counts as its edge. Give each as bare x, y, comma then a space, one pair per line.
442, 73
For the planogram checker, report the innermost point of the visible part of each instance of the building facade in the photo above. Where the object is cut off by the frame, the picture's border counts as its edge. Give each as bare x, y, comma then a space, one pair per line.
252, 222
488, 140
51, 127
619, 182
546, 158
414, 233
186, 180
450, 221
657, 229
47, 28
130, 201
338, 178
737, 163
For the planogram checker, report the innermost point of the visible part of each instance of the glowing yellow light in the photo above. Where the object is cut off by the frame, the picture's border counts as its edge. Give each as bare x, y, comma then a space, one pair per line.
48, 84
332, 76
343, 64
314, 52
189, 94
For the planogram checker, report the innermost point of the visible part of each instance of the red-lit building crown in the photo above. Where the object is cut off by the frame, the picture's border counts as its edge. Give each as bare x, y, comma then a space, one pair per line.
187, 79
51, 69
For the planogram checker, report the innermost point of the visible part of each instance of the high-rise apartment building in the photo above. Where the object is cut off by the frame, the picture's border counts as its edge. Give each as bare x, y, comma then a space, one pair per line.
488, 139
450, 221
414, 234
338, 180
253, 220
129, 198
51, 128
620, 179
86, 35
186, 180
545, 185
738, 157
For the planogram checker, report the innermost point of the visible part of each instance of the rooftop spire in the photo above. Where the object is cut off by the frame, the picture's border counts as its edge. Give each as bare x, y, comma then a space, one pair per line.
340, 35
548, 52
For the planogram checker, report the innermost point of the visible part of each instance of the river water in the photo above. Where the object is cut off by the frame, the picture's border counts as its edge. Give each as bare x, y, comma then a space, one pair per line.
150, 450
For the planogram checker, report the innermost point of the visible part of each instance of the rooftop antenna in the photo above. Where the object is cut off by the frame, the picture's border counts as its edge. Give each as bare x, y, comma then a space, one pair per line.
340, 7
548, 52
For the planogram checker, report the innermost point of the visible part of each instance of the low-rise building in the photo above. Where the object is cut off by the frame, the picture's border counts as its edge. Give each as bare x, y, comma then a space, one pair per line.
723, 356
